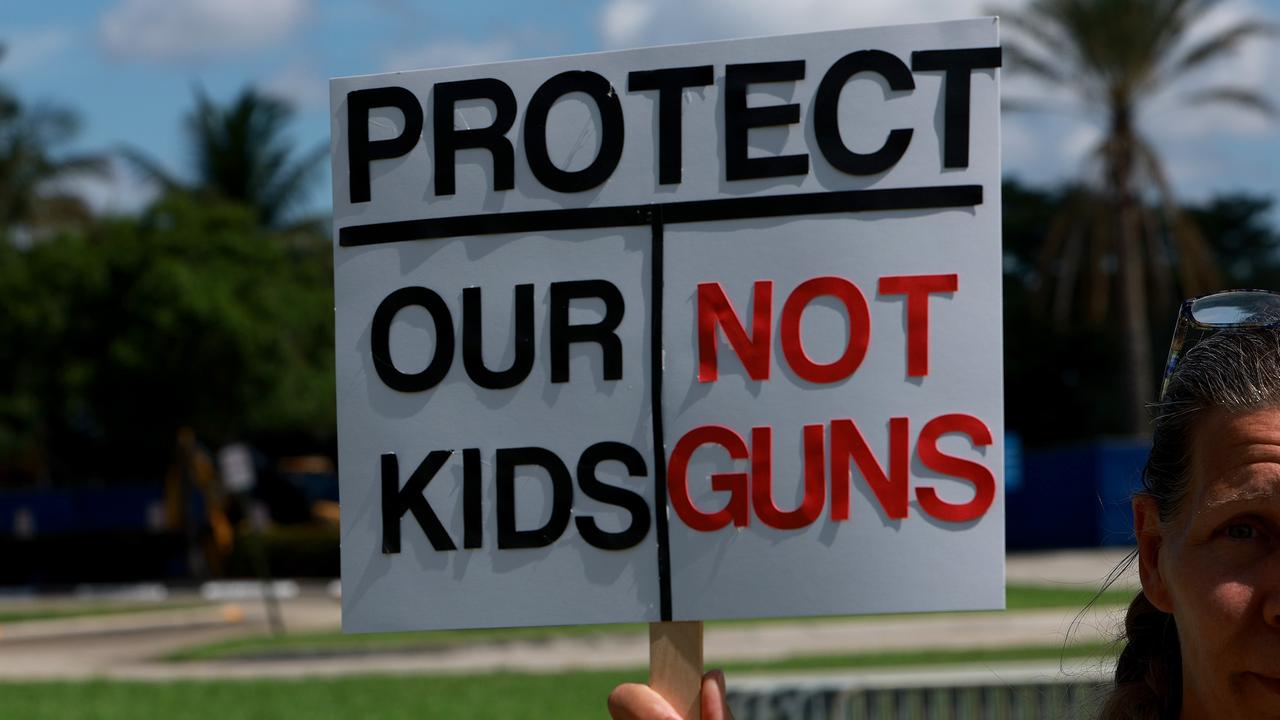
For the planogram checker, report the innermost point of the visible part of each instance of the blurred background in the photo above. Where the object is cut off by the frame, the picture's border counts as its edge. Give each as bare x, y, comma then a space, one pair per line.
167, 479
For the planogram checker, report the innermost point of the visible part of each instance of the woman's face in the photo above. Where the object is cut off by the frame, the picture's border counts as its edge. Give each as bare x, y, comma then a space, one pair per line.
1215, 566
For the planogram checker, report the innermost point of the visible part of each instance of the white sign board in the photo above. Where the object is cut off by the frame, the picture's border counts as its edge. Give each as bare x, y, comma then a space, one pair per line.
692, 332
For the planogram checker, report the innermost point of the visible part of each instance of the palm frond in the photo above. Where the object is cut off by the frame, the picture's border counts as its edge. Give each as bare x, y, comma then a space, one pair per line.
50, 124
1070, 256
93, 164
1020, 59
1034, 26
1220, 44
1021, 105
1161, 289
1204, 273
149, 168
1237, 96
291, 182
241, 153
1197, 270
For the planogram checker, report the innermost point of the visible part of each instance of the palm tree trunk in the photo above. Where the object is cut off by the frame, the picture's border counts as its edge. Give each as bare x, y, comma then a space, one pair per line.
1121, 157
1137, 332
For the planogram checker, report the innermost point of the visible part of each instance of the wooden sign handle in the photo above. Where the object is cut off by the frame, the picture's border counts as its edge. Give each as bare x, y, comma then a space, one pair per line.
675, 665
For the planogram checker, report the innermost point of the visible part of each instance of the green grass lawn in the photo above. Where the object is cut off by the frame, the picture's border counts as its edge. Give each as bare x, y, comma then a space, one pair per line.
258, 646
1030, 597
329, 643
27, 613
564, 696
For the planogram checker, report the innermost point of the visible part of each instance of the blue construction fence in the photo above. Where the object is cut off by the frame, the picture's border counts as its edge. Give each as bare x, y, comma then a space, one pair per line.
1072, 496
64, 536
69, 535
1060, 498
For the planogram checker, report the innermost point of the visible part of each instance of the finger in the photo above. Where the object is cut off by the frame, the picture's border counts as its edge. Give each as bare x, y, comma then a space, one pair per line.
632, 701
714, 706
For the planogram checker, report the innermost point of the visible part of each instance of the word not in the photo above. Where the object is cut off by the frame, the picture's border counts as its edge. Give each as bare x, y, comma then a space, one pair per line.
739, 119
715, 310
753, 490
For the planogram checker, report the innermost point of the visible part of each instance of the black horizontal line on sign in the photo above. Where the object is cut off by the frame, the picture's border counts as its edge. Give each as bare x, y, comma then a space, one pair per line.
847, 201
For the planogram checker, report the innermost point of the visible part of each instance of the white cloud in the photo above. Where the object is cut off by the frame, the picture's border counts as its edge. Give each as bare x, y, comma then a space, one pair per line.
1079, 141
197, 29
626, 22
300, 83
450, 53
631, 23
1046, 148
119, 191
30, 49
1017, 145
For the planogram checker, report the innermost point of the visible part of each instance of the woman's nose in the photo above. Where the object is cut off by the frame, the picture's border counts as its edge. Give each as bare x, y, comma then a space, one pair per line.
1269, 586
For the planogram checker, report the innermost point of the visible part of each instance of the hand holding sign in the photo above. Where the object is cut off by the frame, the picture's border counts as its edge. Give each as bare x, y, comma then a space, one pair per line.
633, 701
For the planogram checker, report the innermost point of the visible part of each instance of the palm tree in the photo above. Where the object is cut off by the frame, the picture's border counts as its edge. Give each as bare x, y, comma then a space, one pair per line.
241, 153
1115, 56
31, 172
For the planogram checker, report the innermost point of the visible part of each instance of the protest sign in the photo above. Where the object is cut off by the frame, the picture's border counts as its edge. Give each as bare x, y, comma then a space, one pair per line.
681, 333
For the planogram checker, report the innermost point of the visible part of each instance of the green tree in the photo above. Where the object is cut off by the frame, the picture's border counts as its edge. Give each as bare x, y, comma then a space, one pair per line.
113, 339
1237, 229
1067, 368
48, 290
32, 168
242, 153
1115, 56
1071, 368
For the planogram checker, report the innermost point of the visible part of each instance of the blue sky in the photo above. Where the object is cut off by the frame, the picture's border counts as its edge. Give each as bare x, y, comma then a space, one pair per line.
128, 68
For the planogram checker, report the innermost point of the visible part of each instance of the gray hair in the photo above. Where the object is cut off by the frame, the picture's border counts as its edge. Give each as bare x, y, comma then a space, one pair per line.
1236, 370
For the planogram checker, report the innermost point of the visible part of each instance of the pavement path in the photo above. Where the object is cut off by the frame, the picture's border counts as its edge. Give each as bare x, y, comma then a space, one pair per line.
132, 654
1071, 568
127, 646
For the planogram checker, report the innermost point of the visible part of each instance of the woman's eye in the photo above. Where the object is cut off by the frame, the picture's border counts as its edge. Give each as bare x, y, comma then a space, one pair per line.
1241, 531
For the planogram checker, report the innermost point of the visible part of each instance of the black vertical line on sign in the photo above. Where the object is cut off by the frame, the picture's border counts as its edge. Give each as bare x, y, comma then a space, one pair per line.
655, 401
